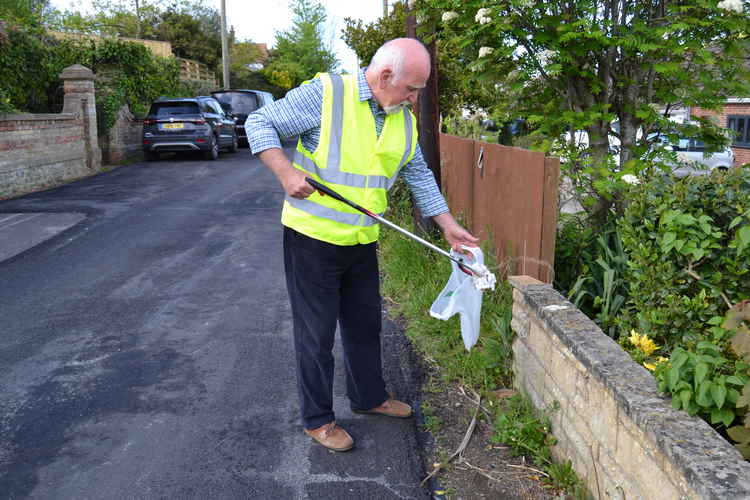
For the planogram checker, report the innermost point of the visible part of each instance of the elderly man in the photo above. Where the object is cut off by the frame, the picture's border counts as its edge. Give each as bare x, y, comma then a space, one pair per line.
355, 134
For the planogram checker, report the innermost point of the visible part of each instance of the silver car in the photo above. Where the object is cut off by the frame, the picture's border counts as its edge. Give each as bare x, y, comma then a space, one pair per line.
691, 156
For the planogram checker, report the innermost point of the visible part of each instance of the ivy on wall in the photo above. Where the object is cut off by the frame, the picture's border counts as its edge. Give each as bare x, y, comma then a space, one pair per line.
127, 73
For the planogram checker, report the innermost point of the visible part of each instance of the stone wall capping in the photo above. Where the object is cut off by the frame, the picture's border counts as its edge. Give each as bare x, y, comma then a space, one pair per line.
707, 466
77, 72
36, 117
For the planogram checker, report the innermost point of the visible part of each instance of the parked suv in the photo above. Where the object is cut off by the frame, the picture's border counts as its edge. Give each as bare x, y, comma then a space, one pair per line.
240, 103
188, 124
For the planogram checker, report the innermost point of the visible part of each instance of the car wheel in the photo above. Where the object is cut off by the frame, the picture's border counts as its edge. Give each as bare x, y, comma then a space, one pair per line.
233, 146
213, 149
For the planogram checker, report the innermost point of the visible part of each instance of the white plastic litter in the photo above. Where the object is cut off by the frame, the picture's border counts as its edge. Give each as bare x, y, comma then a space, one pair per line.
463, 295
485, 280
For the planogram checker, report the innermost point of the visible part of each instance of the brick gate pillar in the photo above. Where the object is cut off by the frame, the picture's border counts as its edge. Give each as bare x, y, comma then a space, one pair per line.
78, 85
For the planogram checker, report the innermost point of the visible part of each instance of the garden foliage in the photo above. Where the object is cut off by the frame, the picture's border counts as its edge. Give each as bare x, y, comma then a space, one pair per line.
688, 244
127, 73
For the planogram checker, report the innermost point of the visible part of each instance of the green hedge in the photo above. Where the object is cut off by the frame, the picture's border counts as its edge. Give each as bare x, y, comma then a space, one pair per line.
688, 243
127, 73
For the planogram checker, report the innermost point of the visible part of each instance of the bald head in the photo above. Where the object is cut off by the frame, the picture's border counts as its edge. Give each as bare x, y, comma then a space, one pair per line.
397, 71
401, 53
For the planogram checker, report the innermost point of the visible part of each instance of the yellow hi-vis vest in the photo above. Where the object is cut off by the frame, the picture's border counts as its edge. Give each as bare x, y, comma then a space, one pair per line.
352, 160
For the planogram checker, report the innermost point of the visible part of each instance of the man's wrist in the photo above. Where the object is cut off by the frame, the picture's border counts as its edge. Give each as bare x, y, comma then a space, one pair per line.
444, 220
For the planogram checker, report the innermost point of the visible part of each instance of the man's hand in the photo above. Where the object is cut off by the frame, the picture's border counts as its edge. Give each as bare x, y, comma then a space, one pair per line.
454, 234
295, 185
292, 179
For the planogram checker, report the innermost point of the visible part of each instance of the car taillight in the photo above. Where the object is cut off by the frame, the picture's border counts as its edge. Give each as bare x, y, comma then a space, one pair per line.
146, 142
199, 122
149, 122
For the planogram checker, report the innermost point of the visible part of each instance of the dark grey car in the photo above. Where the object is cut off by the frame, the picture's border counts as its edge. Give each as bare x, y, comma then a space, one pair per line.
188, 124
240, 103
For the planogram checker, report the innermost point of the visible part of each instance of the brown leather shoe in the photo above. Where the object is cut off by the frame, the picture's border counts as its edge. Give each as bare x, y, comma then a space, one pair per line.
332, 437
391, 408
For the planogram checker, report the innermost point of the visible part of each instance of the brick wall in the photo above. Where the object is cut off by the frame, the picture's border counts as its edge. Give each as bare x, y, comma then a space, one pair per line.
123, 141
741, 155
621, 435
40, 151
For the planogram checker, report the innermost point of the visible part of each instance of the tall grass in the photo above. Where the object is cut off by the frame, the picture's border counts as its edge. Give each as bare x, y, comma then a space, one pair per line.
413, 276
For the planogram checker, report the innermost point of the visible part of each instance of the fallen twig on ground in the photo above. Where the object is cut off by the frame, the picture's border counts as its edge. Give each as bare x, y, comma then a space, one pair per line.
469, 431
527, 468
485, 410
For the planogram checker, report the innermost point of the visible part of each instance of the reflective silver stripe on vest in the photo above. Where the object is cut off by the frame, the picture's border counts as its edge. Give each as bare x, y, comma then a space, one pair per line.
407, 151
313, 208
337, 123
339, 177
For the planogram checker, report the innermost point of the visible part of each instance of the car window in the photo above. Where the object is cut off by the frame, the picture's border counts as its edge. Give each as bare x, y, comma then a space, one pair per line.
215, 107
237, 102
171, 109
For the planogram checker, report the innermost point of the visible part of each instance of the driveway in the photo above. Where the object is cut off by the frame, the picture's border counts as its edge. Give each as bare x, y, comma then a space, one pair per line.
146, 350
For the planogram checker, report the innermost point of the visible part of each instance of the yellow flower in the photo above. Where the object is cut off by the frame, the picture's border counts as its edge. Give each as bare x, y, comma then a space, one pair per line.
647, 346
635, 338
650, 366
642, 342
662, 359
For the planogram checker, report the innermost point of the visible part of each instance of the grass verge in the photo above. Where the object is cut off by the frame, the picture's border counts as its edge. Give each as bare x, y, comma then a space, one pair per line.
413, 276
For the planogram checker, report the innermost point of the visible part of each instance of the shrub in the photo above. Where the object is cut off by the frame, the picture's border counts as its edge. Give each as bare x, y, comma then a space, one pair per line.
688, 242
127, 73
589, 265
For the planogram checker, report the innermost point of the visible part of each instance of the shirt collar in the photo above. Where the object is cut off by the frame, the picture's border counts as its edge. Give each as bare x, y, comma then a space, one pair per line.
365, 92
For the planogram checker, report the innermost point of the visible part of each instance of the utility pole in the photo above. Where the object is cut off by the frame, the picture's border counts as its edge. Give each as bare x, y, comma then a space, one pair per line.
224, 45
138, 19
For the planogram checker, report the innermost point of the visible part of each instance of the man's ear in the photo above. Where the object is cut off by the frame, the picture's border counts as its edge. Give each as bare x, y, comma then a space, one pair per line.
385, 78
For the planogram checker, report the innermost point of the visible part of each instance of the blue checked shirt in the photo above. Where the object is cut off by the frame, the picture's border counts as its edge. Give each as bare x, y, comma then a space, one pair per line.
298, 113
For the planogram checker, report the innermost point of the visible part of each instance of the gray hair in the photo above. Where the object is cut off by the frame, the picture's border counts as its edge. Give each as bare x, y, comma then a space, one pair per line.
390, 55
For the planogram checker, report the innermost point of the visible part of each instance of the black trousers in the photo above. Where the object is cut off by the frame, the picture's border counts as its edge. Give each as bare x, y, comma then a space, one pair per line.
328, 284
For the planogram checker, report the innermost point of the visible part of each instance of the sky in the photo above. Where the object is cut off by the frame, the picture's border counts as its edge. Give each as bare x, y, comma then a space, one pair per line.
259, 21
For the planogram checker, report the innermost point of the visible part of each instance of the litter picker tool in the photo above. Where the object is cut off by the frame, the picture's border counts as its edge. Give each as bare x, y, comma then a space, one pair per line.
467, 268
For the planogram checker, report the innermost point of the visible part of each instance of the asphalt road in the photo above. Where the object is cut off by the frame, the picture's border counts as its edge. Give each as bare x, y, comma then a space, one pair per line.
146, 350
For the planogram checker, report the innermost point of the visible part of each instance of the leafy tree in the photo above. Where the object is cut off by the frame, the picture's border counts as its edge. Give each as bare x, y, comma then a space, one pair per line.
26, 12
191, 26
188, 39
300, 51
458, 89
583, 64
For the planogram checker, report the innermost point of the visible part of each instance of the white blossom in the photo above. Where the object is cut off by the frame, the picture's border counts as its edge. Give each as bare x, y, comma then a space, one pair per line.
482, 16
485, 51
735, 5
630, 179
449, 16
545, 56
411, 3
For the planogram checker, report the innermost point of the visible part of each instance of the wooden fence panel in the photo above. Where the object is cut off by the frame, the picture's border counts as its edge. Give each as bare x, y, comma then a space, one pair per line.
509, 194
456, 157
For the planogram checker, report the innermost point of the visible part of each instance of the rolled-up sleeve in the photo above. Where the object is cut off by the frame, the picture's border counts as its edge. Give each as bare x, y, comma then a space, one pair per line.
295, 114
422, 184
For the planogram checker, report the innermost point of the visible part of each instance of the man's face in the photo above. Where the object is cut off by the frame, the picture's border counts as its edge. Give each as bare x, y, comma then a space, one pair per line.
402, 90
